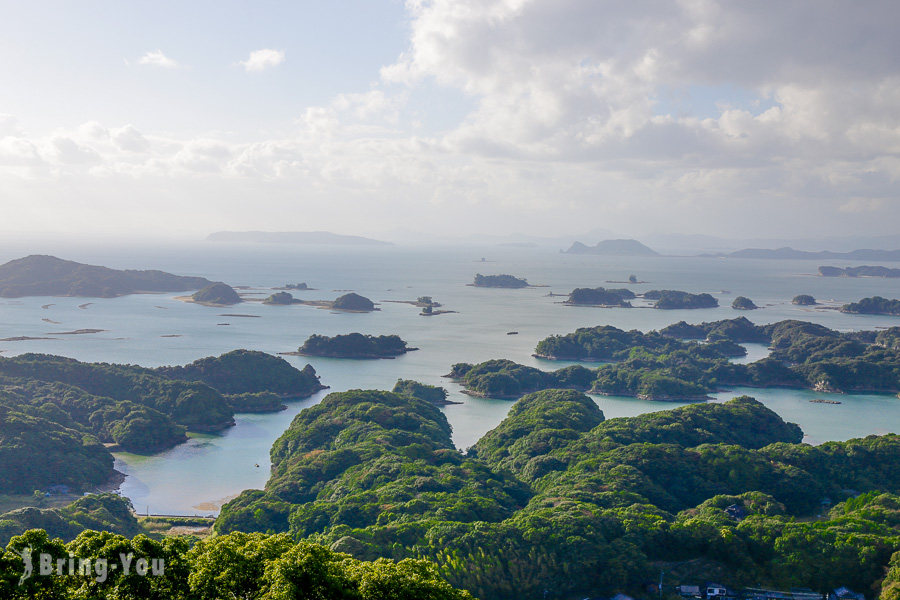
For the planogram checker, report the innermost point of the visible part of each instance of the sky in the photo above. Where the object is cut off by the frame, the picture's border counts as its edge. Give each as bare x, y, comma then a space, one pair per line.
373, 117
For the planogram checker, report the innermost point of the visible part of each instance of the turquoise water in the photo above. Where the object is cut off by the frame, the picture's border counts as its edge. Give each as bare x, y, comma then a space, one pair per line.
196, 476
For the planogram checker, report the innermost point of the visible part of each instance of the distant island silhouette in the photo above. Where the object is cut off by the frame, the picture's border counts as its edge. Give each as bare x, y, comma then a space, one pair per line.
613, 248
294, 237
790, 253
44, 275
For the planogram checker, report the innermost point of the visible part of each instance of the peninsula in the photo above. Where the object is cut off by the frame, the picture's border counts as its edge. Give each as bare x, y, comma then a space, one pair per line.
43, 275
873, 306
429, 393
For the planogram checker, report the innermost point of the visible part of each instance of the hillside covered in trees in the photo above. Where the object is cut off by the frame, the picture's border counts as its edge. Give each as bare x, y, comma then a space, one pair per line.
57, 415
557, 498
685, 361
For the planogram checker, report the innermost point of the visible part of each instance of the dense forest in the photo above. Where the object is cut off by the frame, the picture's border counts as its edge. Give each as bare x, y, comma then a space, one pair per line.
41, 275
557, 498
66, 412
120, 564
241, 371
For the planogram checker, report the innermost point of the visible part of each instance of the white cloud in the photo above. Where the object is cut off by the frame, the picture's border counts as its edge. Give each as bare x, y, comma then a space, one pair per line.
9, 126
128, 138
158, 59
16, 152
641, 115
94, 131
263, 59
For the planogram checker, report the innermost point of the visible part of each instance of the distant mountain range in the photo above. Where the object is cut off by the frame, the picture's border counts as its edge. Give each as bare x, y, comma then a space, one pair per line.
42, 275
790, 253
613, 248
294, 237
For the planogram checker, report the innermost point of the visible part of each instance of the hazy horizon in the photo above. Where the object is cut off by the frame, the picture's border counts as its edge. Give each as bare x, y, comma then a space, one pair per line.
170, 121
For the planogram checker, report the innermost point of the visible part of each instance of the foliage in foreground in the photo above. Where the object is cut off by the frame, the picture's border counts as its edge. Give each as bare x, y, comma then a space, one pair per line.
231, 566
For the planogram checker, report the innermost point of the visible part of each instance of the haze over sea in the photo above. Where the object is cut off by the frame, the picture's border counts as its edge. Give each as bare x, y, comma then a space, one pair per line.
154, 329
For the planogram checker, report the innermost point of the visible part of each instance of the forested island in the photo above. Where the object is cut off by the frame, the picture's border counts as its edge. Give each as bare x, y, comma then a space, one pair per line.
60, 418
558, 498
42, 275
281, 298
743, 303
676, 299
354, 345
216, 294
863, 271
499, 281
873, 306
619, 298
666, 365
804, 300
601, 297
351, 302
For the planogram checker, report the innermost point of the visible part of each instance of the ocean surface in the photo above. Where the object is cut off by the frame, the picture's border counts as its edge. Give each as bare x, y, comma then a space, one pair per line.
156, 329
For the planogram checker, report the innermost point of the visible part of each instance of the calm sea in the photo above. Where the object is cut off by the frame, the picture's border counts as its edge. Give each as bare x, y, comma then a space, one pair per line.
154, 329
